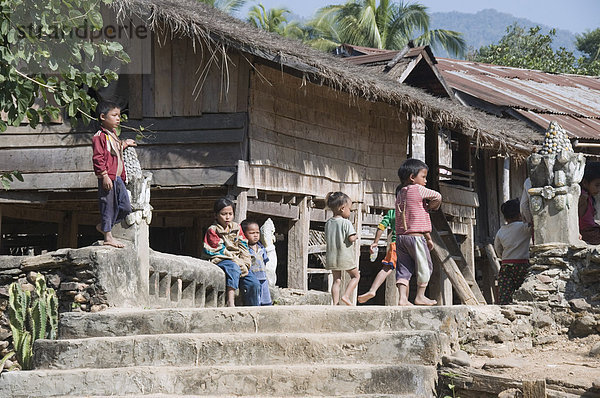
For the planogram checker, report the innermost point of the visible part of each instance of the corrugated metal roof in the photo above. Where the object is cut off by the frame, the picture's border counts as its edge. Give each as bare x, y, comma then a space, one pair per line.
571, 100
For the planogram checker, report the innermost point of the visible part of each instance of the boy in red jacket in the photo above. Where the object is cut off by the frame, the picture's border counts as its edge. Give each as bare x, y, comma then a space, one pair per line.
110, 170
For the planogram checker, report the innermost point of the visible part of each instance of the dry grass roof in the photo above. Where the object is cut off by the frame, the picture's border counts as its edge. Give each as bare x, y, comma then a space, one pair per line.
210, 26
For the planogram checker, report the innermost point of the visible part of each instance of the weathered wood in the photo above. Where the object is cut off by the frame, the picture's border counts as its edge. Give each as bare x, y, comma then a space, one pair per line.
148, 86
163, 106
243, 84
504, 178
534, 388
456, 195
241, 208
186, 101
209, 177
0, 229
298, 240
391, 290
313, 249
440, 286
188, 156
283, 210
491, 191
442, 257
31, 213
23, 197
432, 156
67, 231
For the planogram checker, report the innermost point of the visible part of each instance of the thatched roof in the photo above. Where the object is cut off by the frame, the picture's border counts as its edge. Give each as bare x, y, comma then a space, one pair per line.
210, 26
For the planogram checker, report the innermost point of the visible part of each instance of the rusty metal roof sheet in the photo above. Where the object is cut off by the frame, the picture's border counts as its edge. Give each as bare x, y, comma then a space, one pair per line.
571, 100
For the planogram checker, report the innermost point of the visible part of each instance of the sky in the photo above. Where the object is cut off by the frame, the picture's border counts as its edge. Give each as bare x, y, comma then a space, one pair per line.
574, 15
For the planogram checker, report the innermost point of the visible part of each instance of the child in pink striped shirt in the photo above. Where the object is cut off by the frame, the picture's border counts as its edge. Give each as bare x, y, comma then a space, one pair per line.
413, 228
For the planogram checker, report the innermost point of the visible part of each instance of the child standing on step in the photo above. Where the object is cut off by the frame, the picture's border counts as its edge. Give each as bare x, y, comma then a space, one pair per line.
107, 160
512, 246
413, 228
226, 246
340, 237
259, 259
389, 262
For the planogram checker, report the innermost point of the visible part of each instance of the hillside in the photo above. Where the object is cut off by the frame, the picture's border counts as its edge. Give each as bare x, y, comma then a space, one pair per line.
488, 26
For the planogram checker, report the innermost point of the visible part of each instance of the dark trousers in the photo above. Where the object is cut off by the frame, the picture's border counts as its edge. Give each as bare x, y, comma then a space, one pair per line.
249, 285
114, 204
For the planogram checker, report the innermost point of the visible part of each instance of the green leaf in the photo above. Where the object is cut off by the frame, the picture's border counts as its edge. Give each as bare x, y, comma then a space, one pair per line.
95, 19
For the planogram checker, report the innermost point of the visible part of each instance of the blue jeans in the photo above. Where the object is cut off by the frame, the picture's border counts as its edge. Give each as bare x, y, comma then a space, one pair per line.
249, 285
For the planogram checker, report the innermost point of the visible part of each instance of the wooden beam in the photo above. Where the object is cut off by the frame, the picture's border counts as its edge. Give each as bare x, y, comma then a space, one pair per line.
67, 231
534, 388
432, 154
241, 209
33, 214
273, 209
298, 247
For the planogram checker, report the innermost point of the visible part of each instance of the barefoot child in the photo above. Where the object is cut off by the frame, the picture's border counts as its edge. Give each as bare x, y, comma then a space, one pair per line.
389, 262
259, 259
108, 165
590, 187
226, 246
340, 237
512, 246
413, 228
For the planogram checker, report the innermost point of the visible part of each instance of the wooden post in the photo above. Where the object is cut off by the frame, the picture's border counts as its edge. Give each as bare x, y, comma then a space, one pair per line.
432, 154
0, 229
298, 247
505, 179
468, 246
440, 286
391, 290
241, 209
534, 388
358, 222
67, 231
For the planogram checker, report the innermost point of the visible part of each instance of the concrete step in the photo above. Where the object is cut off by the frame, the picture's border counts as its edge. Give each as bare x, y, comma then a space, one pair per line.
273, 380
247, 396
418, 347
274, 319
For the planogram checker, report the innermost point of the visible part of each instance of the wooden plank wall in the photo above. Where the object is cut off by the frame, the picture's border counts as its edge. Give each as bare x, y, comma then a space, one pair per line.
310, 139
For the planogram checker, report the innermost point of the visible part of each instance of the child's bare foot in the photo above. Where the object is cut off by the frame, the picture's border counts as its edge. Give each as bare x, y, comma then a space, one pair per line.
345, 300
113, 242
363, 298
424, 301
404, 303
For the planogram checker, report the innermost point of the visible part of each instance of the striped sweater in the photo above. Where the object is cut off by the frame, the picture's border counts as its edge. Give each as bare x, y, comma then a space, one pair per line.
411, 209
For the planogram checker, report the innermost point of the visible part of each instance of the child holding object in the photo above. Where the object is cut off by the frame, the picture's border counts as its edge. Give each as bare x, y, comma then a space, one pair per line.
107, 160
590, 187
340, 237
226, 246
413, 228
259, 259
512, 246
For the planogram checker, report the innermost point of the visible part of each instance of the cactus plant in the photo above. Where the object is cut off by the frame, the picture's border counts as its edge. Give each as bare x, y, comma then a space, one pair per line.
31, 319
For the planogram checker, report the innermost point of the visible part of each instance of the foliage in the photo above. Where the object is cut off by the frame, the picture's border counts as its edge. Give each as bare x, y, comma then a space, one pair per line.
589, 44
274, 20
228, 6
31, 318
390, 25
7, 177
531, 49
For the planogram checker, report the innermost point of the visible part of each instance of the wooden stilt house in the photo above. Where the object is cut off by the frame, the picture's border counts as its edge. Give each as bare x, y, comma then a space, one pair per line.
229, 109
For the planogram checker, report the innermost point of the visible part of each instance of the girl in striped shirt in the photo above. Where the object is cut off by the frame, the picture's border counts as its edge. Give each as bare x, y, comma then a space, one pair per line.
413, 227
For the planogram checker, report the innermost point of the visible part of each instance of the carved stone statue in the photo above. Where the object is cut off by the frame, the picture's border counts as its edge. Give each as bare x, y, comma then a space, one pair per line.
267, 238
555, 173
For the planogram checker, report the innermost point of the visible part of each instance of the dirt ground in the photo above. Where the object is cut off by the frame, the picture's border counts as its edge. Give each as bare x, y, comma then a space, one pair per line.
565, 362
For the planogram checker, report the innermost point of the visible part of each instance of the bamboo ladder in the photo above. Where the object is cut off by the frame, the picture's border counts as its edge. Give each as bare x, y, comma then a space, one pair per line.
446, 254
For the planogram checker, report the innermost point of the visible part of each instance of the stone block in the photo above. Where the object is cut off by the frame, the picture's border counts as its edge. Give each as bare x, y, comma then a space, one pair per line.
544, 278
583, 326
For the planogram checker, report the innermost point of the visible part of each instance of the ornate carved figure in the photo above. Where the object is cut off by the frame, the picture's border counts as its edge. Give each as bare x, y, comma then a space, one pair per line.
267, 237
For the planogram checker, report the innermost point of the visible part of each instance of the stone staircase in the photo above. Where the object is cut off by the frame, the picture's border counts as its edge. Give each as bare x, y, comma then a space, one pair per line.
270, 351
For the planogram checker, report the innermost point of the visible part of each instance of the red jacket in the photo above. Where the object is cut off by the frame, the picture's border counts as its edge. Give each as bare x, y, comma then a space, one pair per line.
106, 158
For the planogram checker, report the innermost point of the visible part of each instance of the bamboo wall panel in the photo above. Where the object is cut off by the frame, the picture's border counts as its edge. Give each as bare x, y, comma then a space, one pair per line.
324, 135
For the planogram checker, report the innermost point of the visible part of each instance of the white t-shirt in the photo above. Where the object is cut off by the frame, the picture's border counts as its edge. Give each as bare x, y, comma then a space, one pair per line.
512, 241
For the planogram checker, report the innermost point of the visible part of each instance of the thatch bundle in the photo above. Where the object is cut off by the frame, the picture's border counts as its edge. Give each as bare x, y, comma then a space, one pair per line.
214, 29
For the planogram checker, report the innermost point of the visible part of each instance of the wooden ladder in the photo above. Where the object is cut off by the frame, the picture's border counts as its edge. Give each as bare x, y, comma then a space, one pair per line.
446, 254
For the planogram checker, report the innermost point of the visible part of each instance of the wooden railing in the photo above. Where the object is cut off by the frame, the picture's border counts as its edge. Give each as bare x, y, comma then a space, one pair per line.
465, 178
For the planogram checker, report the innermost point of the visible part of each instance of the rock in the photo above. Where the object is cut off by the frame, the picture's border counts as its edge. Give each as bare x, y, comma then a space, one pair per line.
579, 304
508, 313
8, 364
459, 358
3, 344
4, 291
28, 287
522, 309
595, 351
596, 385
98, 307
583, 326
31, 276
510, 393
544, 278
503, 363
541, 340
541, 320
53, 281
80, 298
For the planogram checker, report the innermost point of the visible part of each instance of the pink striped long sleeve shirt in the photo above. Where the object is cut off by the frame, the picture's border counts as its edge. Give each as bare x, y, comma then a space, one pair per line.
411, 209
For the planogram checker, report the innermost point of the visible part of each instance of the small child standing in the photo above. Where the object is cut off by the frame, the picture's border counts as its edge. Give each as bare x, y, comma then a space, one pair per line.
340, 237
512, 246
413, 228
259, 259
107, 160
590, 187
226, 246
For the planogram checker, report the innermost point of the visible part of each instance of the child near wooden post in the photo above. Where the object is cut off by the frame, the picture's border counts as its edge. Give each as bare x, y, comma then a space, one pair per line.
413, 230
226, 246
340, 237
512, 246
107, 160
590, 187
259, 259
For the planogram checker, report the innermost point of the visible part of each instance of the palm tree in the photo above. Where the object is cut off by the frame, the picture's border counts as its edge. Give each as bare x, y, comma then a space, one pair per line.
274, 20
390, 25
228, 6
